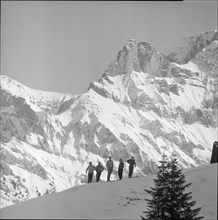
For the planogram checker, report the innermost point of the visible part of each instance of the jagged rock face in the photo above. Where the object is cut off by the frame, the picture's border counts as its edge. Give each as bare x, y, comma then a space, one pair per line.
207, 61
137, 57
143, 105
16, 117
149, 59
189, 46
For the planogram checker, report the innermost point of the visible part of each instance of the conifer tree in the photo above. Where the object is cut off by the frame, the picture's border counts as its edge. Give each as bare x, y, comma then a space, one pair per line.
156, 205
169, 199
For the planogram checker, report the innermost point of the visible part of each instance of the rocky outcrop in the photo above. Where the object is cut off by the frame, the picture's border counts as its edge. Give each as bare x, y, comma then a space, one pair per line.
137, 57
149, 59
174, 89
16, 117
97, 87
188, 47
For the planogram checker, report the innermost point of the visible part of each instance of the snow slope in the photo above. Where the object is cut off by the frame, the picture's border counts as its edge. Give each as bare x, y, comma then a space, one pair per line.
115, 200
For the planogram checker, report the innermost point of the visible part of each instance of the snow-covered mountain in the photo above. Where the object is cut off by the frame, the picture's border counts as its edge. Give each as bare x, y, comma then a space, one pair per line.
22, 107
145, 103
38, 100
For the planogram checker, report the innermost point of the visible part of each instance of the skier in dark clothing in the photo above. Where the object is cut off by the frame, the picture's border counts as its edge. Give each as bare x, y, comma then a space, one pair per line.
110, 166
99, 168
120, 169
90, 170
131, 163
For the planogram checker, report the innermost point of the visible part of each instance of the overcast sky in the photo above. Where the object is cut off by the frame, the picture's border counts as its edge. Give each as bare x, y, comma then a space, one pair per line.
63, 46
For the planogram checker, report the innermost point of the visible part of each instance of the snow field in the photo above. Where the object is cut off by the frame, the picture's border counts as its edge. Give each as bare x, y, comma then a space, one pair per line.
116, 200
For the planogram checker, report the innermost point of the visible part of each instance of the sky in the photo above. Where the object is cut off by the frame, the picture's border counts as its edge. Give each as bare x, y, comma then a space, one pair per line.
62, 46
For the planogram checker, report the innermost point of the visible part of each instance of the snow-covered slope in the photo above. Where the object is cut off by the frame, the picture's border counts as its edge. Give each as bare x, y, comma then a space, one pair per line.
143, 104
22, 107
36, 99
116, 200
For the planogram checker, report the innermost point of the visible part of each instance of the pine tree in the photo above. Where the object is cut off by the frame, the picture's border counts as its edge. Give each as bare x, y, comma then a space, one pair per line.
179, 205
169, 199
156, 205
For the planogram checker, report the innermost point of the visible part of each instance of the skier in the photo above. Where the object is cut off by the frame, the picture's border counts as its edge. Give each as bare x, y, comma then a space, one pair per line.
131, 163
120, 169
90, 170
99, 168
110, 166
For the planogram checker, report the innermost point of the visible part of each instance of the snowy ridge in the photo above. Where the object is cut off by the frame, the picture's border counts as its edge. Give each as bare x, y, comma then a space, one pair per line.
143, 105
38, 100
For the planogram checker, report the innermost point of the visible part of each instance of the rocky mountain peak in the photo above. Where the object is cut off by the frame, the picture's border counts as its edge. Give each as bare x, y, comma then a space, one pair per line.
189, 46
136, 56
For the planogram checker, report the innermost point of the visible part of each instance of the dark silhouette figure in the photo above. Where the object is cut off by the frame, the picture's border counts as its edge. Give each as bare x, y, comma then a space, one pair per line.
131, 163
120, 169
90, 170
214, 156
99, 168
110, 166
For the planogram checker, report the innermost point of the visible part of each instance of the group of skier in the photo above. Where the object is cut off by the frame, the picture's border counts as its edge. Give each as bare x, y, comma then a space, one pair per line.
110, 166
